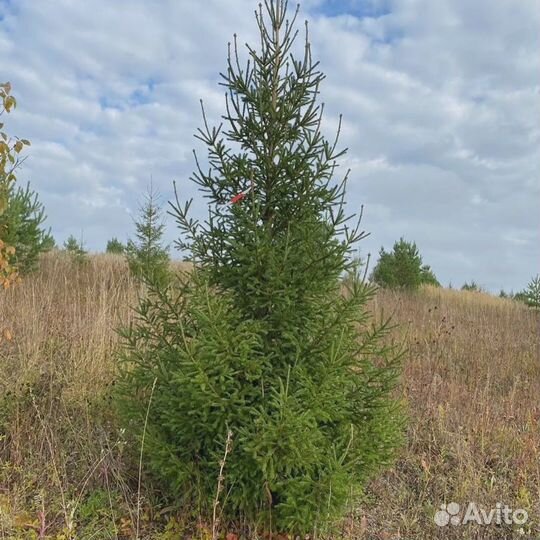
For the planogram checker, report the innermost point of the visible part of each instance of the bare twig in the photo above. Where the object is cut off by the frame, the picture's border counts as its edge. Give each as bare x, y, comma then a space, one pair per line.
141, 460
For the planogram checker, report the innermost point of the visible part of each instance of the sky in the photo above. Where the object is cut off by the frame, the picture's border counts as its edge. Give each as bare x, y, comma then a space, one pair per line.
440, 101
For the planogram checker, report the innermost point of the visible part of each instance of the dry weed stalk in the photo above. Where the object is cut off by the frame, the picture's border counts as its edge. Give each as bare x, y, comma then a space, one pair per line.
215, 517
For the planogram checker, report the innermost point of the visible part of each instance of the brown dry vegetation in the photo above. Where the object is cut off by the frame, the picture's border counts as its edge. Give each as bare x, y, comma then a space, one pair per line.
471, 381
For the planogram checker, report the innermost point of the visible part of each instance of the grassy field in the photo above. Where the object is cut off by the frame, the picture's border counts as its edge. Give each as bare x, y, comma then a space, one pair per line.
471, 381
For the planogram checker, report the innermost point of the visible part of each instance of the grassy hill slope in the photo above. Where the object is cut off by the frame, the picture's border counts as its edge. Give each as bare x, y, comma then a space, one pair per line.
471, 380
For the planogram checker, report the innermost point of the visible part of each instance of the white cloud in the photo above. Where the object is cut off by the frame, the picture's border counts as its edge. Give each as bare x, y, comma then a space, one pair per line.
440, 104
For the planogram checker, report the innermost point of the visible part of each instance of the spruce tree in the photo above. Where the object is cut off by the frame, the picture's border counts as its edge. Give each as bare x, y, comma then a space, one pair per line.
262, 341
147, 257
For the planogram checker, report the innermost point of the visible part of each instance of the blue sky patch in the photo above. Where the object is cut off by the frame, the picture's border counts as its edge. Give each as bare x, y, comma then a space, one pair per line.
356, 8
143, 94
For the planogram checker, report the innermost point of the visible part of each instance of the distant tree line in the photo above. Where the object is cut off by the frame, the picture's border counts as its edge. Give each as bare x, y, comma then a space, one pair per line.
403, 268
530, 295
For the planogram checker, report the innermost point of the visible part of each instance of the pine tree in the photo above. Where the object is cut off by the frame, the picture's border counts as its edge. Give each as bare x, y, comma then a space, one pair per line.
115, 246
262, 339
148, 258
402, 268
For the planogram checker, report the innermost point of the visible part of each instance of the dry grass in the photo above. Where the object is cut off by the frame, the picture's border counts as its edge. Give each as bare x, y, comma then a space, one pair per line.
472, 383
471, 380
55, 438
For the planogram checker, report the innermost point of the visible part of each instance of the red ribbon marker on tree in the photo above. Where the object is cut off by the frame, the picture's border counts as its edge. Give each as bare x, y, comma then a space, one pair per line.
238, 198
242, 195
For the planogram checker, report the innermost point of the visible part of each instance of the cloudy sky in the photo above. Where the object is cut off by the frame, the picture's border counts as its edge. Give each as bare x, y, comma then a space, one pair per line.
440, 101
